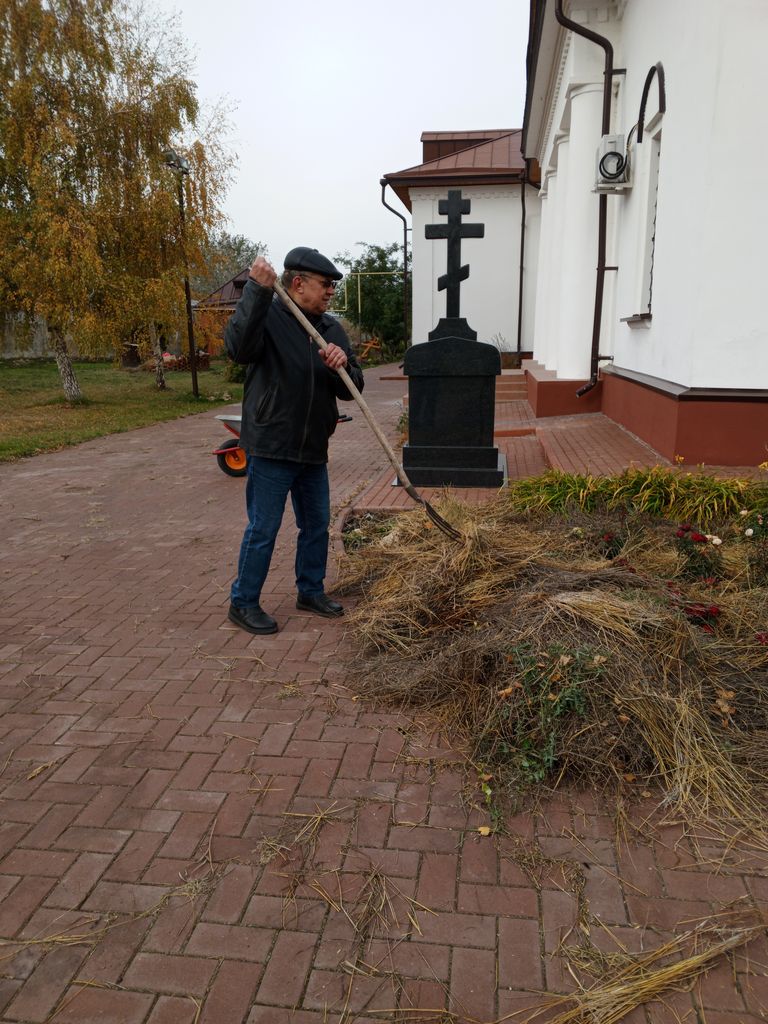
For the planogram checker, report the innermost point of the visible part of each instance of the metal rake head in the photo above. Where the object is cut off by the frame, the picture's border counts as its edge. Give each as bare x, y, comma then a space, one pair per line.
436, 518
442, 524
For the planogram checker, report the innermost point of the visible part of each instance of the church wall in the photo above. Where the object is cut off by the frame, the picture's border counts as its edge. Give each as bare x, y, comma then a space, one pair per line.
565, 304
689, 372
708, 322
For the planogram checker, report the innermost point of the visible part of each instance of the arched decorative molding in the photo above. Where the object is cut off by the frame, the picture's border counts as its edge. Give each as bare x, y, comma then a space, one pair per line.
658, 71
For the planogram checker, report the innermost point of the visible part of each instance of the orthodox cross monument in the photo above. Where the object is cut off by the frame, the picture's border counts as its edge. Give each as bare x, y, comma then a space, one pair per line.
452, 380
452, 325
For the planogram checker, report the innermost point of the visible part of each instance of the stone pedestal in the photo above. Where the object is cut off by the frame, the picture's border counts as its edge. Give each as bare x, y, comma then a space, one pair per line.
451, 396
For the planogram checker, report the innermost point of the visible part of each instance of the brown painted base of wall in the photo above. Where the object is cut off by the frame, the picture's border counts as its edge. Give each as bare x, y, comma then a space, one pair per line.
548, 396
714, 426
712, 429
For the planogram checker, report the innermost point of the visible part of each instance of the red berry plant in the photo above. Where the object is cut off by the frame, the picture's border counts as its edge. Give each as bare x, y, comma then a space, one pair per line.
701, 552
702, 614
610, 544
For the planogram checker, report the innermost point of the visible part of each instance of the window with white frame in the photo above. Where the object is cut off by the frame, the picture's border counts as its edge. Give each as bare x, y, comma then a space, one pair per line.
649, 224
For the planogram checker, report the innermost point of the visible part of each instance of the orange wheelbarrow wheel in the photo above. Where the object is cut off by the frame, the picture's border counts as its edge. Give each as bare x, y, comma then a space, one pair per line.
231, 458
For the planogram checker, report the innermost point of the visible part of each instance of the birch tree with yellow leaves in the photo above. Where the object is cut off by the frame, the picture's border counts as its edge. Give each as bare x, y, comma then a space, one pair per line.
92, 95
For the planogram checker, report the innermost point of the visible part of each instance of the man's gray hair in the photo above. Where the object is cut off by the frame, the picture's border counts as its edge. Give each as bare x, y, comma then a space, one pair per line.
287, 276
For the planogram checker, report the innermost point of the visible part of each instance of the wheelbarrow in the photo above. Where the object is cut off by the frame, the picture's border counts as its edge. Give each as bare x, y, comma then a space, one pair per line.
230, 456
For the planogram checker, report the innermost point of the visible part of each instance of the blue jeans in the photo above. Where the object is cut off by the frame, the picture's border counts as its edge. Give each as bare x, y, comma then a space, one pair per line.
269, 483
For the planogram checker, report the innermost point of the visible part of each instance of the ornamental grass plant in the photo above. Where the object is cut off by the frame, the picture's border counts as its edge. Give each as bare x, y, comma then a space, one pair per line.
657, 491
568, 641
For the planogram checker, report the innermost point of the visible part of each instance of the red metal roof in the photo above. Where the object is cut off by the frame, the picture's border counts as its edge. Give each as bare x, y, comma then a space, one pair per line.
228, 295
494, 159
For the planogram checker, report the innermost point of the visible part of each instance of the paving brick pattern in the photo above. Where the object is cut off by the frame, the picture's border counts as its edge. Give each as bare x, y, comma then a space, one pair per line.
159, 766
593, 444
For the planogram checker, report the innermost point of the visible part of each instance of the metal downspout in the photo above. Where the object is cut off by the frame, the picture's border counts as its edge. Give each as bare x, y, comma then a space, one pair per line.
602, 222
523, 183
406, 333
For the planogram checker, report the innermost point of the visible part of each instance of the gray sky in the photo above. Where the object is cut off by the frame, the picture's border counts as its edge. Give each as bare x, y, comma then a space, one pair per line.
329, 97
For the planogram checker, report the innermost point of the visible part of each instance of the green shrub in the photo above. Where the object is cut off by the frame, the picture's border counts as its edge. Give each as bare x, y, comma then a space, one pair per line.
553, 685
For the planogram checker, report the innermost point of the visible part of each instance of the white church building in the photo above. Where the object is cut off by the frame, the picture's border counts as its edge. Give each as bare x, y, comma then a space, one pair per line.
645, 118
624, 246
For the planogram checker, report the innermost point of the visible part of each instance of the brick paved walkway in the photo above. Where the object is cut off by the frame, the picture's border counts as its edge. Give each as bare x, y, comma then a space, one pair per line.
154, 759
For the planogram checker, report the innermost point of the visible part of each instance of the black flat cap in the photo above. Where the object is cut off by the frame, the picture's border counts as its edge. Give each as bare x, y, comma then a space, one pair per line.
304, 258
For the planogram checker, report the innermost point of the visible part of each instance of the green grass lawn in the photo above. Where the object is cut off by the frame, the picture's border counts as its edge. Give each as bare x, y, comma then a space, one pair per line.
35, 417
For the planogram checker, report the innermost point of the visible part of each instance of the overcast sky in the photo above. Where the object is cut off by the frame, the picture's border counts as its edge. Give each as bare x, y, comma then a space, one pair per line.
331, 96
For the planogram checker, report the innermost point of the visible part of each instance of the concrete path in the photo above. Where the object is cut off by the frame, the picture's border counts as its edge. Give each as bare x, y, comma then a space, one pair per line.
201, 827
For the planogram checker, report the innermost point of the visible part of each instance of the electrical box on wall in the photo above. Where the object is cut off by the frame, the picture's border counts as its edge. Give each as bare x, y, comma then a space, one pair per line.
612, 172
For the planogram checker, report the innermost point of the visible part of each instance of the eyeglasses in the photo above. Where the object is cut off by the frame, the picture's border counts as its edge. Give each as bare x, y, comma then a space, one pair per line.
325, 282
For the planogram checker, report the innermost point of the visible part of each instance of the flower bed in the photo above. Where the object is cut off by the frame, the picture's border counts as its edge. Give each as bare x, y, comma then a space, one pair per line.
608, 648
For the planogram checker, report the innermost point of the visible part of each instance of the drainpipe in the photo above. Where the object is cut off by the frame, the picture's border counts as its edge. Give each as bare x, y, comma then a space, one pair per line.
383, 182
523, 183
602, 222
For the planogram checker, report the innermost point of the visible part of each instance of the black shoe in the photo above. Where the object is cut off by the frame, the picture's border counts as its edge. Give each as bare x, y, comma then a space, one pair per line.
252, 619
320, 604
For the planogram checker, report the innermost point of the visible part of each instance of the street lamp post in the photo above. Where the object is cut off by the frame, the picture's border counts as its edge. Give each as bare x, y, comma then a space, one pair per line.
180, 167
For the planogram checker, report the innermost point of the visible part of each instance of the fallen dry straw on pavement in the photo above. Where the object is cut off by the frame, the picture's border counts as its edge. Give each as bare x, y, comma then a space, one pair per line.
651, 975
605, 650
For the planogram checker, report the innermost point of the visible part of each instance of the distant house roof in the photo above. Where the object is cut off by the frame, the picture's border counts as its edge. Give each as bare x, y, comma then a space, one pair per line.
491, 157
226, 297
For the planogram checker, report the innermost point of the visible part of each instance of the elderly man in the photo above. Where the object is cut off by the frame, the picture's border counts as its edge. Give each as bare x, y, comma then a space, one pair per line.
289, 413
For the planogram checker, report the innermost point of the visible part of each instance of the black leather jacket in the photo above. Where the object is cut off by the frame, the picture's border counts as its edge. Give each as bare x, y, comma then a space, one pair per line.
289, 401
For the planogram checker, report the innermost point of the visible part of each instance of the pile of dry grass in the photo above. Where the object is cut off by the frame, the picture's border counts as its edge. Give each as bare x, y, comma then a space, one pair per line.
572, 648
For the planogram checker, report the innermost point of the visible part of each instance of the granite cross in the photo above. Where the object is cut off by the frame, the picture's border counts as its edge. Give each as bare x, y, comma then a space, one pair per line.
454, 207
